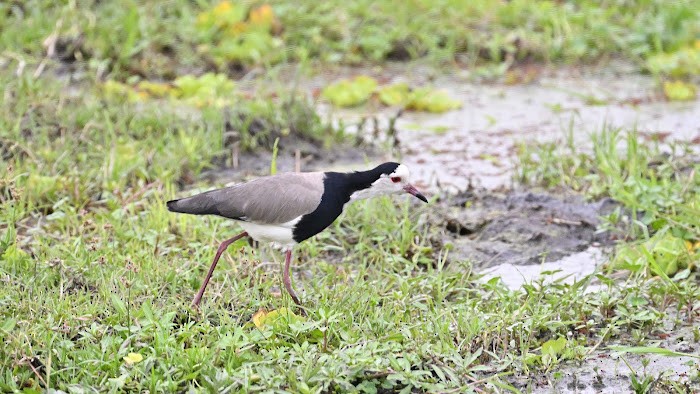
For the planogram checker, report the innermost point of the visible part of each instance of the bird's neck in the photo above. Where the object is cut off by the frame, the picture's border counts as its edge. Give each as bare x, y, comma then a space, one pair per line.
356, 185
359, 184
359, 180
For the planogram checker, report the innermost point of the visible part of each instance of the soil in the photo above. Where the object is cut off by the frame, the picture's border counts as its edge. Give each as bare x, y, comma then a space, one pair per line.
521, 227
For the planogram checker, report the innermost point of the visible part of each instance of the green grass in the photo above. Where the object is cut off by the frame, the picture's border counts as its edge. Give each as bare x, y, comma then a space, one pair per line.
56, 140
163, 40
384, 311
658, 187
93, 267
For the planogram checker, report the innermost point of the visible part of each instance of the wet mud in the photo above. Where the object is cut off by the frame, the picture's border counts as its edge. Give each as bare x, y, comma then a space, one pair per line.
520, 227
609, 371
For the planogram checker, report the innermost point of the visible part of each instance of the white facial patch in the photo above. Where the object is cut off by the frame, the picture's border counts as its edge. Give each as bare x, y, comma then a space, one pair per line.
402, 172
385, 185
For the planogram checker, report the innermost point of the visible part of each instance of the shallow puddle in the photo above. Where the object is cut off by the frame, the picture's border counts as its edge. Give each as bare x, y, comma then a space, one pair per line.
568, 270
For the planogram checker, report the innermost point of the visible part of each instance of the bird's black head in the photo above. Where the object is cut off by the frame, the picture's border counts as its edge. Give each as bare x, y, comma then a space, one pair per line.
387, 168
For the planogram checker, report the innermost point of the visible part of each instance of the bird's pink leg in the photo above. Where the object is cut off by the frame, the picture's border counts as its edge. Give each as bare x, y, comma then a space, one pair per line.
221, 249
288, 281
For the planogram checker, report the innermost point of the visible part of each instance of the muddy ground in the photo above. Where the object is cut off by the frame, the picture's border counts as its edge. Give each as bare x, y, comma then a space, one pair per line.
605, 371
521, 227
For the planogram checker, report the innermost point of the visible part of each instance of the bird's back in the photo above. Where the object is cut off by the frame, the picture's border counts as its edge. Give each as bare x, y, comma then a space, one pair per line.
273, 199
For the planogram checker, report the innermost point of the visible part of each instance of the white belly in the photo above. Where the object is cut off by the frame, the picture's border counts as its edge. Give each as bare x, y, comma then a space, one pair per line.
278, 234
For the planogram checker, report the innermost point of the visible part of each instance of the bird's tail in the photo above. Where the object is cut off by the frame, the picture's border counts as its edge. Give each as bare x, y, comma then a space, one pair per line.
200, 204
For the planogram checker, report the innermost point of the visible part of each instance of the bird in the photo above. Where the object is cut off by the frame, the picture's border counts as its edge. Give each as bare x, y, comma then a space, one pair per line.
288, 208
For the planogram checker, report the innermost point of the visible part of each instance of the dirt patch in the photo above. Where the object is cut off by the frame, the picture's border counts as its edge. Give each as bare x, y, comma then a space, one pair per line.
520, 227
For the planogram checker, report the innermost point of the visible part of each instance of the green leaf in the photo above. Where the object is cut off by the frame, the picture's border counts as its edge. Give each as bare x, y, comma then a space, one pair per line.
8, 325
396, 94
350, 93
554, 347
680, 91
637, 301
148, 311
430, 100
14, 254
651, 350
119, 305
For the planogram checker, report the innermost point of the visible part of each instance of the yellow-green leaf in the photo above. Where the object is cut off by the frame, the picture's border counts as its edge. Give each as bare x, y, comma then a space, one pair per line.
262, 318
133, 358
669, 253
259, 318
627, 257
679, 90
350, 93
207, 90
155, 89
115, 90
682, 63
14, 254
396, 94
42, 185
430, 100
554, 347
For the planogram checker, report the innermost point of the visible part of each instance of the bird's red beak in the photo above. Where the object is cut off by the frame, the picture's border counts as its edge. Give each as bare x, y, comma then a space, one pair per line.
410, 189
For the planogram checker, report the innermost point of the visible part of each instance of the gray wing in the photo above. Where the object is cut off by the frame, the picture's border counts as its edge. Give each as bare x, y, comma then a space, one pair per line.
272, 199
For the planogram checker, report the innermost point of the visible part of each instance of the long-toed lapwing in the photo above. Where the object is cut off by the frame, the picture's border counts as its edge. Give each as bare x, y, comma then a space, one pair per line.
289, 208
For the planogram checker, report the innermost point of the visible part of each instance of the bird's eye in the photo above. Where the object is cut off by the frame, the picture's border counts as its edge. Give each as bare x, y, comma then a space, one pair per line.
396, 179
